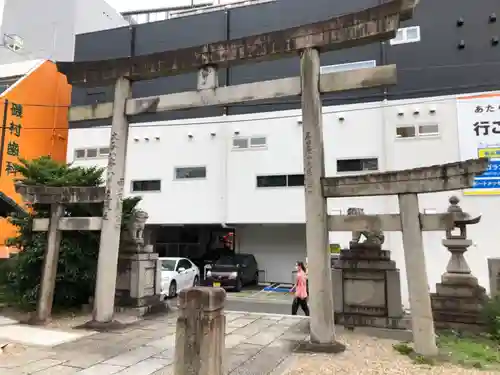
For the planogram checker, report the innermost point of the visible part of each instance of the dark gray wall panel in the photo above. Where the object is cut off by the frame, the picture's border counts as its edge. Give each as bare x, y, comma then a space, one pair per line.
180, 32
283, 14
101, 45
435, 66
179, 115
171, 35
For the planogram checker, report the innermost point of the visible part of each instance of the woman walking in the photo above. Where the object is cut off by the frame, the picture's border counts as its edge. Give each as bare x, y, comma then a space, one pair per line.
300, 288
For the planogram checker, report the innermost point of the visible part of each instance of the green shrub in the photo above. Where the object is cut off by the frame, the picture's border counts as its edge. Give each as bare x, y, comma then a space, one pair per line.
491, 317
76, 270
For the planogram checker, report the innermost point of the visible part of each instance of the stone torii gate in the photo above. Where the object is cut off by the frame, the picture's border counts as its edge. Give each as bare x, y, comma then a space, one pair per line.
406, 184
370, 25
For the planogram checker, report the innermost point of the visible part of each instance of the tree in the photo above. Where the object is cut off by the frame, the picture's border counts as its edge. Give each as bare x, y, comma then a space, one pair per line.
76, 272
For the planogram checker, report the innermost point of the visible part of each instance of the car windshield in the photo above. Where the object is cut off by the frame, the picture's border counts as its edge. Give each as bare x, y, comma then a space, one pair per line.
230, 260
168, 264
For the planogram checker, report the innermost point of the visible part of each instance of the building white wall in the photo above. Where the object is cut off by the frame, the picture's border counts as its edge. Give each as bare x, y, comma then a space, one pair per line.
48, 27
95, 15
153, 153
229, 193
276, 248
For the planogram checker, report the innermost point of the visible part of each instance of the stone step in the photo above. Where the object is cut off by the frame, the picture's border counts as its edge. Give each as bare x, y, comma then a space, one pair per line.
458, 304
365, 264
353, 320
457, 317
458, 291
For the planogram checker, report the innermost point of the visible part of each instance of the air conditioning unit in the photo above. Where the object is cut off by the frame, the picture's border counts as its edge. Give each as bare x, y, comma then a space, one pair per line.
13, 42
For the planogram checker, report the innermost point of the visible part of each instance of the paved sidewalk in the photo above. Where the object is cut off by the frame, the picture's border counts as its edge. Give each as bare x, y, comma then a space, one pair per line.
256, 344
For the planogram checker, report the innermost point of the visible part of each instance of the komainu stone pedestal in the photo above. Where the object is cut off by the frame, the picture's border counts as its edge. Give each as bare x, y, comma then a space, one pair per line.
366, 286
138, 284
459, 298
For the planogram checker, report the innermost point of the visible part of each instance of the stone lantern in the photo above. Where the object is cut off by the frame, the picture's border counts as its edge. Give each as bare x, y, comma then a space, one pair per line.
459, 298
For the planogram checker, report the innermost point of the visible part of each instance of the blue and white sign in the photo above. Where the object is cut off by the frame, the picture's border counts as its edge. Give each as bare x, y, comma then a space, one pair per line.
479, 136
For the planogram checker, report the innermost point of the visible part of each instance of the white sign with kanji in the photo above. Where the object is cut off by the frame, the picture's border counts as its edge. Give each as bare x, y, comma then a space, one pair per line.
479, 136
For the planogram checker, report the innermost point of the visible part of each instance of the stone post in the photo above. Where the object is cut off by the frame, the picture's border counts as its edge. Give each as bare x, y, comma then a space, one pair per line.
112, 213
416, 274
322, 325
494, 275
200, 333
49, 271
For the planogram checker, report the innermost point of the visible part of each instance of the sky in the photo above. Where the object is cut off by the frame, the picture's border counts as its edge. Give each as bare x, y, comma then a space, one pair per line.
131, 5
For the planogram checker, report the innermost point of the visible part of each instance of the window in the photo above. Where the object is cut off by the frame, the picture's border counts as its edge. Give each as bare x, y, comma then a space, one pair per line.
249, 142
190, 172
357, 165
146, 185
240, 143
258, 142
184, 263
406, 35
405, 132
348, 66
168, 265
157, 16
281, 180
80, 154
415, 131
140, 18
271, 181
426, 130
295, 180
91, 153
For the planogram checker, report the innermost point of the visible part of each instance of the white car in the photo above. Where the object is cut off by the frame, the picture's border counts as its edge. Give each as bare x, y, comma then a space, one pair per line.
177, 274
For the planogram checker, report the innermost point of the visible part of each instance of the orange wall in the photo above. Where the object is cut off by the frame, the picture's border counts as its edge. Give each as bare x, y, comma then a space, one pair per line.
44, 96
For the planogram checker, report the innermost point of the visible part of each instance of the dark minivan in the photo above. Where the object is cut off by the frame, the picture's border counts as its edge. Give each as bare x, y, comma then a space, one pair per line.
233, 272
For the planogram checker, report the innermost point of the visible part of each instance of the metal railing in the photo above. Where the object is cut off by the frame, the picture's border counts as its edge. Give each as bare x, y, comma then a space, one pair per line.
217, 7
154, 15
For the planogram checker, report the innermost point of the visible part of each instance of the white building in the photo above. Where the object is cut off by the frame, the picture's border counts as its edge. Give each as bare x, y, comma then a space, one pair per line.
247, 172
32, 29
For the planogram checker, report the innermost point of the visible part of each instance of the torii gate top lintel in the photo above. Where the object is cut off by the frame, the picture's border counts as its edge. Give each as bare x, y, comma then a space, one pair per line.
345, 31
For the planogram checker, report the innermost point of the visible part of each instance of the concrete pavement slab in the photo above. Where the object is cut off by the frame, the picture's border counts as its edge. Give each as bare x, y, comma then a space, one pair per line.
251, 348
29, 335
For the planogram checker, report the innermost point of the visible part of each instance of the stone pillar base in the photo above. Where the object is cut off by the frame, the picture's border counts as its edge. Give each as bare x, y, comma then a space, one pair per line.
138, 284
351, 321
458, 302
154, 307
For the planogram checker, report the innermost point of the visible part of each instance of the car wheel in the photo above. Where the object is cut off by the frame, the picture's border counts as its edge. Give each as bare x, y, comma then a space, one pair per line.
172, 289
196, 281
239, 285
255, 280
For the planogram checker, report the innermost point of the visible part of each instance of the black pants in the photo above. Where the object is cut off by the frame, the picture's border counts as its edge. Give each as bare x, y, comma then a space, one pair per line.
303, 305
